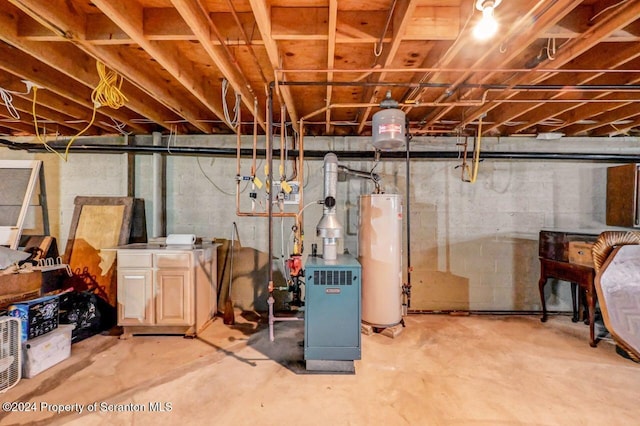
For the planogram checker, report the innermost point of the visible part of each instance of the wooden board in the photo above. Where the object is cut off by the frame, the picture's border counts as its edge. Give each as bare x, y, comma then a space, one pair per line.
98, 222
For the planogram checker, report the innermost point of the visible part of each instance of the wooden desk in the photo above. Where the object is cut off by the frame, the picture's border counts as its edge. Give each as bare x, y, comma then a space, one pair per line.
554, 253
575, 274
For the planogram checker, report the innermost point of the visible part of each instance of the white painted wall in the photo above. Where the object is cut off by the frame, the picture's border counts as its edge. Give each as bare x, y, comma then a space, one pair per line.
474, 246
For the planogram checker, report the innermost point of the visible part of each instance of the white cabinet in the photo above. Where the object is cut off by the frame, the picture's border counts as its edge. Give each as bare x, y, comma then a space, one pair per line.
166, 290
135, 297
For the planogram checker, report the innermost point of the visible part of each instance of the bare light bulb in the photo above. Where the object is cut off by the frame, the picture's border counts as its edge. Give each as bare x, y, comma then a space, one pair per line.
487, 27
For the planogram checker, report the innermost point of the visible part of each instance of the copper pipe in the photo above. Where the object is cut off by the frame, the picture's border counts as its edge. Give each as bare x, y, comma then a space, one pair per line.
238, 177
255, 136
282, 142
265, 214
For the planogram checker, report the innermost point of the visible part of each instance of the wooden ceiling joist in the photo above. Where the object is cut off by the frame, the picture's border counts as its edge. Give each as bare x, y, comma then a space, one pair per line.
175, 55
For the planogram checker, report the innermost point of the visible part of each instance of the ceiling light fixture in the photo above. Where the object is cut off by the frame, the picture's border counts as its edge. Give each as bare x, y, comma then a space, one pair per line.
488, 25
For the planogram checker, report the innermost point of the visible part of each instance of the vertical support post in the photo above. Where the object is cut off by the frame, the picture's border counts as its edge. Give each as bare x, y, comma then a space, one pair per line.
43, 202
131, 170
159, 191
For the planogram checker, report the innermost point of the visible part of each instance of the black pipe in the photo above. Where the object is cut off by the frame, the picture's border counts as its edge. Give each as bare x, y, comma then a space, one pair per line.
408, 191
363, 155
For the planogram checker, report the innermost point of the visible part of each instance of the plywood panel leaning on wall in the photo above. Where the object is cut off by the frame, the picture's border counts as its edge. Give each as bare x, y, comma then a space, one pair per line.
97, 223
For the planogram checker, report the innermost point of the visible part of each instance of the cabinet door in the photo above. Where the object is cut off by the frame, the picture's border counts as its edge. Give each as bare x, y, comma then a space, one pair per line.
174, 297
135, 297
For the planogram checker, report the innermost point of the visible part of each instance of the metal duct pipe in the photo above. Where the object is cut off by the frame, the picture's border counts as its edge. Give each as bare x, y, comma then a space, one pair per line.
329, 228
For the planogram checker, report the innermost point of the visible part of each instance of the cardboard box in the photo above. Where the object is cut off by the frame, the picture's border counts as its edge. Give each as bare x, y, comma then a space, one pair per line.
38, 316
580, 253
46, 351
18, 287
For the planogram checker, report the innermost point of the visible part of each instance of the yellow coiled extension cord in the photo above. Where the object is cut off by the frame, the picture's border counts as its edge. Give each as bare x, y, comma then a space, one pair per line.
106, 93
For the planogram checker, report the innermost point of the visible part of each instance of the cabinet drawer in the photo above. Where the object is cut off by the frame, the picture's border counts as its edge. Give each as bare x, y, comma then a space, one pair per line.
127, 259
171, 260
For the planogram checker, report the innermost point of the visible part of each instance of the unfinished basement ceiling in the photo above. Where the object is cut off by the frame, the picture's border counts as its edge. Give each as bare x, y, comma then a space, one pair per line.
564, 66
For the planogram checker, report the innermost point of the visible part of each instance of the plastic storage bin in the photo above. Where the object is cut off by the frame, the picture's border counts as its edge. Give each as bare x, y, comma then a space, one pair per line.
46, 351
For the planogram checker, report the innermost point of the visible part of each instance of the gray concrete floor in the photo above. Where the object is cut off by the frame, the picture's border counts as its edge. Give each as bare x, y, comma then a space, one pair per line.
442, 370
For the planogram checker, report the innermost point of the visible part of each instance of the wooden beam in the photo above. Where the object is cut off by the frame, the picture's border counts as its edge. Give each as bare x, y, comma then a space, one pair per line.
517, 38
45, 113
129, 16
627, 13
26, 127
331, 53
402, 15
609, 60
159, 24
56, 16
262, 14
27, 67
613, 129
356, 27
202, 26
81, 67
45, 98
299, 23
434, 23
619, 113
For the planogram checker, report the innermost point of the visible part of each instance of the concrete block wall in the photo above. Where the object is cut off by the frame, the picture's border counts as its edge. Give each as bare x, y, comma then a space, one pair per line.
473, 246
81, 175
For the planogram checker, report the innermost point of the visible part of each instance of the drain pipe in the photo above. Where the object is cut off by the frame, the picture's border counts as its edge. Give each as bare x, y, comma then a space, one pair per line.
317, 154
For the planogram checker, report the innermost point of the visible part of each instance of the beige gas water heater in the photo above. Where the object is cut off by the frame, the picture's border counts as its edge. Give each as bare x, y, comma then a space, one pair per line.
380, 254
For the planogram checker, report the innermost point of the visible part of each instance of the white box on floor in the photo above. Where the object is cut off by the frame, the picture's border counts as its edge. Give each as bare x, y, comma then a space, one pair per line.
46, 351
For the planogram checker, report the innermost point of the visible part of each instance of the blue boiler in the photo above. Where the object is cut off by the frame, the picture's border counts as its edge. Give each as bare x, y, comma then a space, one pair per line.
332, 313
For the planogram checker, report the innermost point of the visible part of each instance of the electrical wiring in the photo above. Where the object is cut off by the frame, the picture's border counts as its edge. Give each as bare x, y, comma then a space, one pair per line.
37, 130
8, 102
118, 125
7, 98
620, 3
215, 185
376, 161
175, 137
106, 93
236, 108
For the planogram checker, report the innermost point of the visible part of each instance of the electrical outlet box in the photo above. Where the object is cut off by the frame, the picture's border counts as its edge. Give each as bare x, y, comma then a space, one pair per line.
292, 197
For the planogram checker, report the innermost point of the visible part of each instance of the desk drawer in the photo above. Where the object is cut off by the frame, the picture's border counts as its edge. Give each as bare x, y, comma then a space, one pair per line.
132, 259
580, 253
171, 260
